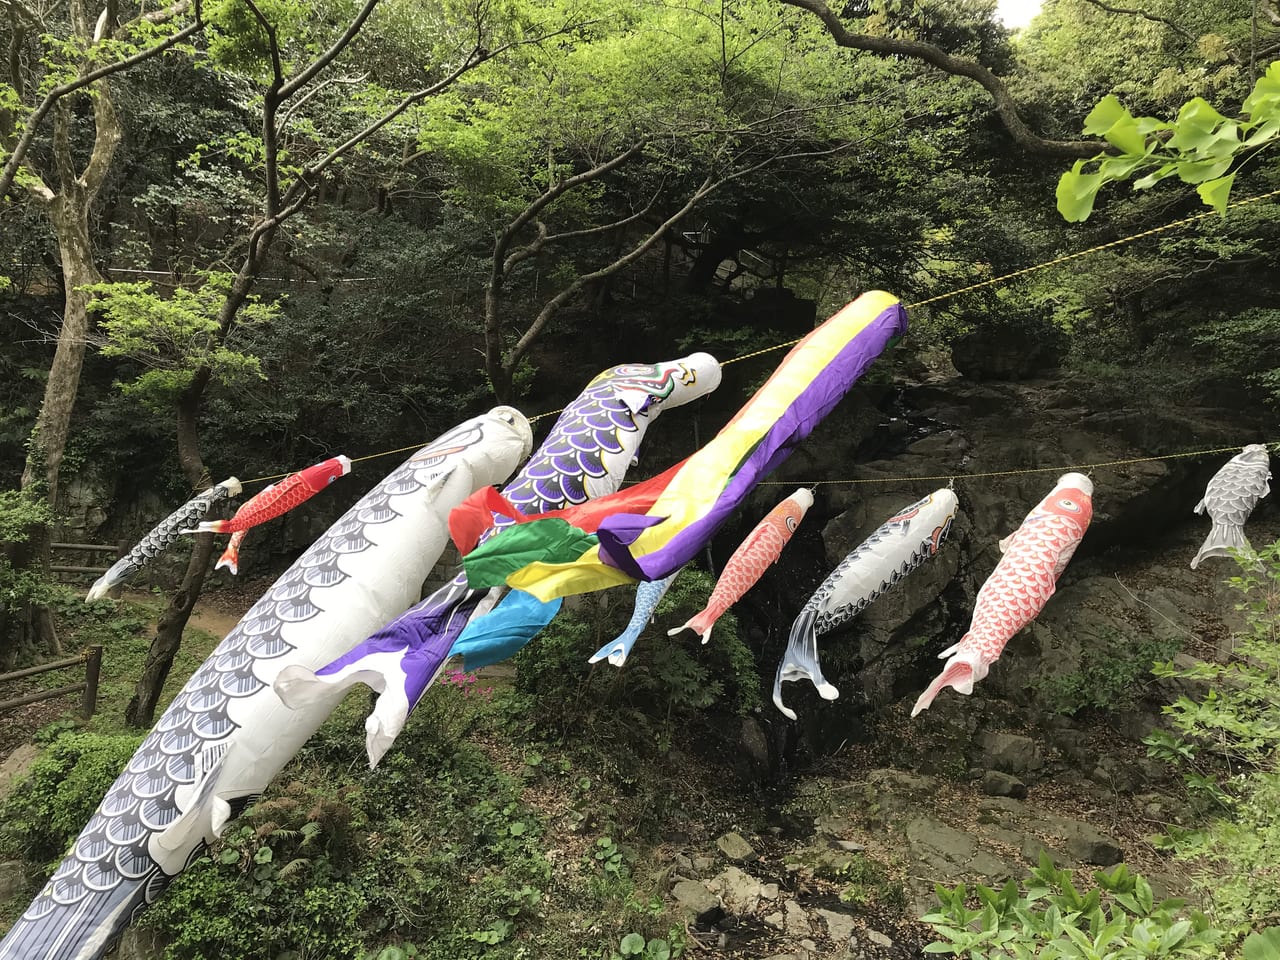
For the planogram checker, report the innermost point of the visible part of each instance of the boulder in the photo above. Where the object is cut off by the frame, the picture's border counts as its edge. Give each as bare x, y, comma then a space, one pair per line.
878, 938
1085, 843
141, 944
735, 848
696, 899
740, 891
13, 877
1010, 753
997, 784
840, 926
795, 921
752, 757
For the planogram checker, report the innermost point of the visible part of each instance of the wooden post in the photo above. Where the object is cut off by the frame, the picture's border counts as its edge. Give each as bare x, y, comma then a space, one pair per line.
92, 669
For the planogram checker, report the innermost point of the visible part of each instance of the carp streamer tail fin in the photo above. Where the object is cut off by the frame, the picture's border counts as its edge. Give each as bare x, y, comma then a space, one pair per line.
230, 559
958, 674
1222, 539
616, 651
800, 662
700, 623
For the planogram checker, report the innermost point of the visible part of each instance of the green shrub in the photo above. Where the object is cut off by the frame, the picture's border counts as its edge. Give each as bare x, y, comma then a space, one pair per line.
1110, 674
1228, 743
434, 848
1119, 919
664, 680
40, 819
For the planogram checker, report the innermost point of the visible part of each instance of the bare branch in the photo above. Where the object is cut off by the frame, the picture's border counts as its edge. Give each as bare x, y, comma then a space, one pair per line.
1175, 27
306, 97
557, 190
38, 115
326, 58
552, 306
605, 228
707, 187
1005, 106
520, 254
21, 9
161, 15
1165, 21
273, 43
62, 146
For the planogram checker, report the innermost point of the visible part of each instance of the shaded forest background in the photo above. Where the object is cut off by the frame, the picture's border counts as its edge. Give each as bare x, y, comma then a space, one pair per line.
295, 229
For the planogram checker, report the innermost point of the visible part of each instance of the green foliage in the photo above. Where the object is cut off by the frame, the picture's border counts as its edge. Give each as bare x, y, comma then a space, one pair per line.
635, 945
1119, 919
19, 511
1227, 742
1262, 946
1112, 669
22, 586
174, 335
433, 855
40, 819
1244, 342
641, 701
1199, 147
867, 884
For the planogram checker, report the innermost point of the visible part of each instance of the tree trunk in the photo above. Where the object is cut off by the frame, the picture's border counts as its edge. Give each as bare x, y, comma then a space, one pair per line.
69, 215
164, 647
142, 707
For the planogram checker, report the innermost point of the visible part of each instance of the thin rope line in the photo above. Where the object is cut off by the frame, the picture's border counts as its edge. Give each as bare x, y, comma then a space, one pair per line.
1065, 258
1013, 473
911, 306
368, 456
1081, 253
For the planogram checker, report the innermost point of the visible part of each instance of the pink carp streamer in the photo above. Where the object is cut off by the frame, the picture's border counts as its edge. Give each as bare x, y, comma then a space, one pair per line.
753, 557
1019, 587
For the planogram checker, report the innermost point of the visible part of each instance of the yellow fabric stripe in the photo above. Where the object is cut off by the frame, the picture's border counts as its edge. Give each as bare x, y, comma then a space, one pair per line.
700, 482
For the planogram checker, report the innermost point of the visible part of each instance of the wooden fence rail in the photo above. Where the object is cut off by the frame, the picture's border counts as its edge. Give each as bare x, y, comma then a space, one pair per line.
115, 549
92, 660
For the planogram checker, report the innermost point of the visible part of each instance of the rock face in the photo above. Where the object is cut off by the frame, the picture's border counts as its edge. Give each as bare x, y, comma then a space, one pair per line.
1142, 526
12, 879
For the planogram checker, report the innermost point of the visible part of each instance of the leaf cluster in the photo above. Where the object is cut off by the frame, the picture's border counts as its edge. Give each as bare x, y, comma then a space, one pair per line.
1227, 742
1199, 147
174, 335
1118, 919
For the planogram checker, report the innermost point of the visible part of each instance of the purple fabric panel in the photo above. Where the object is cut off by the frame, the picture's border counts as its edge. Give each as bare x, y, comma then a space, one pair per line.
810, 407
619, 532
415, 631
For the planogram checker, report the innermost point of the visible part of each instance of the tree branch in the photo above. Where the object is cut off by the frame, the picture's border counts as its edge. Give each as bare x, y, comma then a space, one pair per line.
62, 147
326, 58
1005, 106
37, 116
303, 100
273, 44
604, 228
554, 192
106, 137
708, 186
21, 9
1165, 21
552, 306
520, 254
